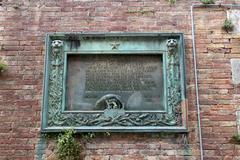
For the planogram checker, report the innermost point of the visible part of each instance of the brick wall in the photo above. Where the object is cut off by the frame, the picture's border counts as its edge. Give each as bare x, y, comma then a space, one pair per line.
23, 25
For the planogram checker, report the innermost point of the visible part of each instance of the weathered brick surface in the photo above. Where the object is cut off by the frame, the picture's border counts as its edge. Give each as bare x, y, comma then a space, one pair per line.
217, 90
23, 25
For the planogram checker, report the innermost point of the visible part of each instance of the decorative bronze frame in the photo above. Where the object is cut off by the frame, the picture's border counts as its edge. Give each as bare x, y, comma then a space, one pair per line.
59, 45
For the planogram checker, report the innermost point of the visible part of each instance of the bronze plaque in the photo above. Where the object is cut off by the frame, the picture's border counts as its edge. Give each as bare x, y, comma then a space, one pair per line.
136, 79
114, 82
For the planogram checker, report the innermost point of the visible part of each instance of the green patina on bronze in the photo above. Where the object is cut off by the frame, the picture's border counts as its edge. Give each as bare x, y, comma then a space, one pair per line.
114, 116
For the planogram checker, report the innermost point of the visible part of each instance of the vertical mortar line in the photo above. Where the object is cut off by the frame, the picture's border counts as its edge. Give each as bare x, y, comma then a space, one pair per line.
196, 83
237, 110
236, 106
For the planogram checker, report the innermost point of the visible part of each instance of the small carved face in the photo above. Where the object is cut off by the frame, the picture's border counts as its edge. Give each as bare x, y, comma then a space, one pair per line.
57, 43
172, 43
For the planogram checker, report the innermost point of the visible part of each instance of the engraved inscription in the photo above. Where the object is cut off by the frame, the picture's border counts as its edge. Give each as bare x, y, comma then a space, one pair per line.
137, 79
